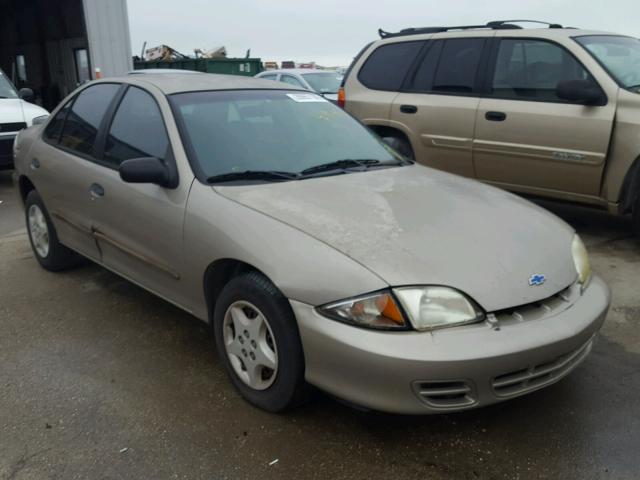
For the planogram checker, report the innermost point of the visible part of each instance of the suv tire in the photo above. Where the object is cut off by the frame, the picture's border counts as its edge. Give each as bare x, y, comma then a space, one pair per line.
636, 217
50, 253
257, 339
400, 145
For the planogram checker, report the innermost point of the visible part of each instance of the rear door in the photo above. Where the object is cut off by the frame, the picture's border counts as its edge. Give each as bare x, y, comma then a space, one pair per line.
529, 139
139, 226
63, 168
439, 101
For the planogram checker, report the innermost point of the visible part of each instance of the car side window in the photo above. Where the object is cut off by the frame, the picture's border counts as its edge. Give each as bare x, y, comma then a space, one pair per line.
137, 129
458, 65
270, 76
54, 128
387, 66
291, 80
532, 69
422, 80
84, 118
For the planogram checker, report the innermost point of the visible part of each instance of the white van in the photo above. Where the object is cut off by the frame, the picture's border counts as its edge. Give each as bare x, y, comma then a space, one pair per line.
16, 113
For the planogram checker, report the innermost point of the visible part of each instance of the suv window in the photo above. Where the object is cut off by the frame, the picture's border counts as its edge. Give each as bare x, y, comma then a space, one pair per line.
458, 65
137, 129
387, 66
83, 121
54, 129
532, 69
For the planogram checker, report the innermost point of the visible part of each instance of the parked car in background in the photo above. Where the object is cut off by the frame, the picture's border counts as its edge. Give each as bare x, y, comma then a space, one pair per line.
553, 112
317, 252
324, 82
16, 113
156, 71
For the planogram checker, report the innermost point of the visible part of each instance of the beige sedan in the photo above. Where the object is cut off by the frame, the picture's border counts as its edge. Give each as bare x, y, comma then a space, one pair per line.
318, 254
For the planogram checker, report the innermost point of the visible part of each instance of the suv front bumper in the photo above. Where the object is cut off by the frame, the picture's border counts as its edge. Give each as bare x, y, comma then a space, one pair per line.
449, 369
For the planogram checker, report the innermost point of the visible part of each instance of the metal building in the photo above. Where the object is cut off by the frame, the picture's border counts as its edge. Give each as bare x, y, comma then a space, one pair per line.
52, 46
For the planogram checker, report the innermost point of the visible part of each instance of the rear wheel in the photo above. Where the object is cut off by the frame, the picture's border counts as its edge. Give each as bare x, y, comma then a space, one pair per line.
636, 217
400, 145
48, 250
257, 339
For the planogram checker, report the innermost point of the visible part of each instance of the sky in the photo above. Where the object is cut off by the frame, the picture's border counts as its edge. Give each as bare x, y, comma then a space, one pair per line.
331, 32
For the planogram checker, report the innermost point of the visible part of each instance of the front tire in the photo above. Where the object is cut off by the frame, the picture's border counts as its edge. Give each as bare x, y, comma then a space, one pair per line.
257, 339
47, 249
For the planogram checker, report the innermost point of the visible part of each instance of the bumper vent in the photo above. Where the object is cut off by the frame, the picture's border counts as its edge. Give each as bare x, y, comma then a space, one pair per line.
12, 127
521, 381
441, 394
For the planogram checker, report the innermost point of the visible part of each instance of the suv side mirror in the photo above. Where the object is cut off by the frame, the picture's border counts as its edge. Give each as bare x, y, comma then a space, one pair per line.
580, 91
26, 94
145, 170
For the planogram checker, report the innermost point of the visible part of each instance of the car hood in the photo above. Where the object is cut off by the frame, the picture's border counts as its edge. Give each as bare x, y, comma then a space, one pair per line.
417, 226
11, 110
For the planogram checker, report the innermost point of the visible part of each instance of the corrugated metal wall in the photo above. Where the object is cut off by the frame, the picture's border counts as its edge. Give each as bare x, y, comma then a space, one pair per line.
107, 25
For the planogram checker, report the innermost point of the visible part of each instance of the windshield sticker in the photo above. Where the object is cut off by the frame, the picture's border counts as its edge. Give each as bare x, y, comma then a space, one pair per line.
305, 97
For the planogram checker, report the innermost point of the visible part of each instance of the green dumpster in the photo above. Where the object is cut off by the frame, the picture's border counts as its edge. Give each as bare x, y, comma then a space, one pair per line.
229, 66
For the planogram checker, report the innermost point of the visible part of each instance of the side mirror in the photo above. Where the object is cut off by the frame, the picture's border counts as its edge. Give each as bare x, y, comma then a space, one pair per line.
40, 120
580, 91
26, 94
145, 170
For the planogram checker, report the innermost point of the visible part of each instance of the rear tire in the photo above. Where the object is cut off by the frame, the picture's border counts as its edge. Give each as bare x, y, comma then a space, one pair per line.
400, 145
47, 249
636, 217
257, 339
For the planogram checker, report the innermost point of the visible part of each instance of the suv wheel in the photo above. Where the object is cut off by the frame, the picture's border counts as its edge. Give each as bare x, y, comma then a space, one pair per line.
636, 217
49, 252
400, 145
257, 339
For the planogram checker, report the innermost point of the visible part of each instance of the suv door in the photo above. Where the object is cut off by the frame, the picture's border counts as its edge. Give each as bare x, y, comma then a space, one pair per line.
439, 101
529, 139
63, 168
139, 226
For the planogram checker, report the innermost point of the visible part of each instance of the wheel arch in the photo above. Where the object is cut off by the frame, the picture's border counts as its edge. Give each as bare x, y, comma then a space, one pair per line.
25, 186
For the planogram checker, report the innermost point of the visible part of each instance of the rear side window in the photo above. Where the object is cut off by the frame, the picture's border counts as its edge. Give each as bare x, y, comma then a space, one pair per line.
83, 121
387, 66
532, 69
291, 80
458, 65
137, 129
54, 129
270, 76
423, 78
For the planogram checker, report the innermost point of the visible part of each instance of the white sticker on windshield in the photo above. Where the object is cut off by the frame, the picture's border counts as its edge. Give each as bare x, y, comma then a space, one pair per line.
305, 97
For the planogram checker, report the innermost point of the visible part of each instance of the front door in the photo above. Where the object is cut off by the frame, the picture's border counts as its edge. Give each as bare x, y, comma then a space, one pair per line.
139, 226
526, 136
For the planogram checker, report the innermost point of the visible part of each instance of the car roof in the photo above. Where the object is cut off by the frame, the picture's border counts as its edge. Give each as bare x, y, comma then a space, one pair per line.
299, 71
156, 71
170, 83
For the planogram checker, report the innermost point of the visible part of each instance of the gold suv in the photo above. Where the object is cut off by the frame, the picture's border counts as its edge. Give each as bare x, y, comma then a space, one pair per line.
551, 111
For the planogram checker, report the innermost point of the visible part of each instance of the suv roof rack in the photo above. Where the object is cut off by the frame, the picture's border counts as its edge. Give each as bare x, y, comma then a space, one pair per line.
494, 25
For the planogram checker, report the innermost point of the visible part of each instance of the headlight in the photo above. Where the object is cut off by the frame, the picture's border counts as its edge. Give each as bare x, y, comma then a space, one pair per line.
376, 310
581, 261
436, 307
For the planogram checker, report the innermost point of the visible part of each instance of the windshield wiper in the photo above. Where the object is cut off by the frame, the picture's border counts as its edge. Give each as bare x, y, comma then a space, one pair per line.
345, 165
270, 175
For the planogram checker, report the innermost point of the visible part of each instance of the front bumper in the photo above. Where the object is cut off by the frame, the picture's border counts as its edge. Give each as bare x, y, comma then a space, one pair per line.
6, 151
451, 369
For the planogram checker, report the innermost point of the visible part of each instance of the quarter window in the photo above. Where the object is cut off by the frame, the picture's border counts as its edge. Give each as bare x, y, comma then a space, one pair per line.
291, 80
137, 129
387, 66
458, 65
85, 116
269, 76
532, 69
54, 128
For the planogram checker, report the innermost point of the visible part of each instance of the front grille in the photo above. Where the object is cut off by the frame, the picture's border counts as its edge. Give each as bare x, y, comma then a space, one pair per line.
6, 147
542, 308
536, 376
12, 127
445, 394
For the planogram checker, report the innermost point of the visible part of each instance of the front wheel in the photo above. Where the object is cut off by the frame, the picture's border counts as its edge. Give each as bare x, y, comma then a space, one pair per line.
257, 339
48, 250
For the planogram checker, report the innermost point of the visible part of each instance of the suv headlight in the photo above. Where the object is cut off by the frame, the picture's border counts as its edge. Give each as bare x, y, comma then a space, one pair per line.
437, 307
581, 261
423, 308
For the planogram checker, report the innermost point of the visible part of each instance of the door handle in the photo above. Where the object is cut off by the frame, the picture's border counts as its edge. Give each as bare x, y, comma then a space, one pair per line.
495, 116
96, 191
35, 164
408, 108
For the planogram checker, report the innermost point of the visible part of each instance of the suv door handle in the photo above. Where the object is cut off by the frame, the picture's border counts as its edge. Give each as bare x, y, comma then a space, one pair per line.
96, 191
495, 116
408, 108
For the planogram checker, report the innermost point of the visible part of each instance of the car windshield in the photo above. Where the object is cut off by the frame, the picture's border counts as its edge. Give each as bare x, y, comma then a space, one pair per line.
619, 55
323, 82
7, 90
279, 132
